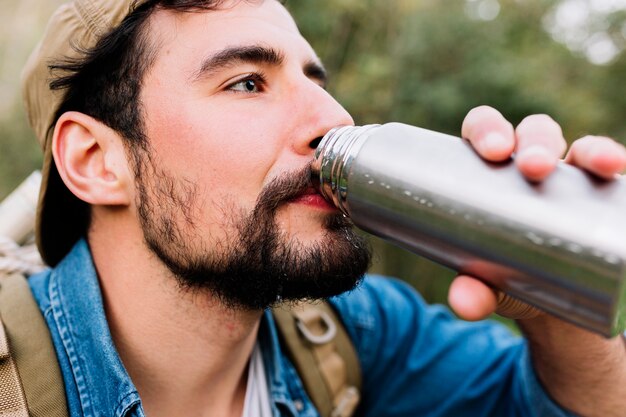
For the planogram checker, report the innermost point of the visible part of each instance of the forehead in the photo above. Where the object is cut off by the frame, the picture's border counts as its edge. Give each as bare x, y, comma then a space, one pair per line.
234, 23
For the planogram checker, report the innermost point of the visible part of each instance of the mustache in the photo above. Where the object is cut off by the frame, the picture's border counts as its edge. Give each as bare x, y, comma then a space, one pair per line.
284, 188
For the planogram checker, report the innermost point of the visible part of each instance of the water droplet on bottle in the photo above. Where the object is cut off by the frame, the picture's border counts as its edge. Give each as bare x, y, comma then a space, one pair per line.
407, 192
537, 240
554, 241
612, 259
573, 247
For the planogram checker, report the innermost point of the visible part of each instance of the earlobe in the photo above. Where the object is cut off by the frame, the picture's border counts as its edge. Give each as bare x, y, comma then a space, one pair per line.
90, 159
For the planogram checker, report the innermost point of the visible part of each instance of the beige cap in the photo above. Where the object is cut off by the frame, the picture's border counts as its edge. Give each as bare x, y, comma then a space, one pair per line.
79, 23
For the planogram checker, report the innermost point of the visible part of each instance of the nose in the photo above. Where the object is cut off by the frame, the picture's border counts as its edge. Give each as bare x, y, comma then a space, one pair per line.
317, 112
315, 142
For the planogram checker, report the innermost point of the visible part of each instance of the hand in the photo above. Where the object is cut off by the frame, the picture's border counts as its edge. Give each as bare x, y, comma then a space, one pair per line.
538, 144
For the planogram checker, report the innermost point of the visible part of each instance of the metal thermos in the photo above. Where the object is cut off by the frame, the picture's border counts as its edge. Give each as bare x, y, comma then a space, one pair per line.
559, 245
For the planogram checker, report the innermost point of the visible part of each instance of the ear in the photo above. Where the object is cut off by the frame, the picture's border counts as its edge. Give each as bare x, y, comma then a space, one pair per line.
91, 160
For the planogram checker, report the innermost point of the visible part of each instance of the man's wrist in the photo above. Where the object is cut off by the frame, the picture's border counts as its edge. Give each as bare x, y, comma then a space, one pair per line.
581, 370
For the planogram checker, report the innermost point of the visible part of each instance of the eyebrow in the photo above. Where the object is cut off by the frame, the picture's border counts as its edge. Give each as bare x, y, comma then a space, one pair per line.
253, 54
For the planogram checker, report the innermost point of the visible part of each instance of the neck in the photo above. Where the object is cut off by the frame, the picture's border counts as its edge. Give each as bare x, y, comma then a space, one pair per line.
186, 353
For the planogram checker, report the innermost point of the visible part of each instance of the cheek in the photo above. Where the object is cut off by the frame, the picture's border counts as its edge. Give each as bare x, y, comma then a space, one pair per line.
227, 153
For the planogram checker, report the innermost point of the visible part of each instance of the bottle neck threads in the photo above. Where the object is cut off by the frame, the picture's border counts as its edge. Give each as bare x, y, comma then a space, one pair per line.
333, 158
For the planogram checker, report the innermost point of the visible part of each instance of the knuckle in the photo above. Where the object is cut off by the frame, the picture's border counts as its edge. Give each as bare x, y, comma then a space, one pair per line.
539, 123
542, 129
591, 140
508, 125
583, 142
482, 119
480, 113
483, 110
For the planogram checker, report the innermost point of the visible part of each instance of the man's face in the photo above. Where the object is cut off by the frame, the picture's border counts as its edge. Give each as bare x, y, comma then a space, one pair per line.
233, 105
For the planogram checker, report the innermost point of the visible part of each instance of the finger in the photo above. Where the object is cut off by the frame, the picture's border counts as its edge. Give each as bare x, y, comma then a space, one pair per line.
597, 154
471, 299
540, 145
489, 133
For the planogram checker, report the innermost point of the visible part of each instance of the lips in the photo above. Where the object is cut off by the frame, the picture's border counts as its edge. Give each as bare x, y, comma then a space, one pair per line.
311, 197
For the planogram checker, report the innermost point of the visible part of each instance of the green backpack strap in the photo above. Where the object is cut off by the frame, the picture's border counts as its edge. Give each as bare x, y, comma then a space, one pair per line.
31, 375
323, 354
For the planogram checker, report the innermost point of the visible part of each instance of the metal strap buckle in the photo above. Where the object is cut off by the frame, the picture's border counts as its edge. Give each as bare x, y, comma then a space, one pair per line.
326, 323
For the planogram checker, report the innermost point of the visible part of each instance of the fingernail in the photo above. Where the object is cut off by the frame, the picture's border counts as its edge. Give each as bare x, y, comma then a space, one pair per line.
535, 151
535, 162
494, 142
608, 149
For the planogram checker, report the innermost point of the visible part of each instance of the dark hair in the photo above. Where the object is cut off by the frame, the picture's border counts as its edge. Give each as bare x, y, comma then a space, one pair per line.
105, 82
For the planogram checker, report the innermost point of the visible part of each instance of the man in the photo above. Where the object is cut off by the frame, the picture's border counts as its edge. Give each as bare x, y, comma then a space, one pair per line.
178, 206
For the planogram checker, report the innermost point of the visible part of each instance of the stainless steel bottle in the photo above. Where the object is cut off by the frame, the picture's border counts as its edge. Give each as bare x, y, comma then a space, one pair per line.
559, 245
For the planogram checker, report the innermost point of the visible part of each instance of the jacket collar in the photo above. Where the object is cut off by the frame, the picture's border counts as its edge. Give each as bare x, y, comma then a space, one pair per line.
104, 387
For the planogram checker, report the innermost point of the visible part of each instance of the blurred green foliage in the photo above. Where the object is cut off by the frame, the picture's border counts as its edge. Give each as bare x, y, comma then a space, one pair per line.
423, 62
428, 62
23, 25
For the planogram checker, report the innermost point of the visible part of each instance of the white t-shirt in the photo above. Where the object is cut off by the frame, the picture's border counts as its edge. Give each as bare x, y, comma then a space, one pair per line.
257, 402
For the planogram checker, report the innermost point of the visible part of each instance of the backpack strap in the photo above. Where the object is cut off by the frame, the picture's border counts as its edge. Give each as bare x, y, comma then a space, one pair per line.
323, 354
317, 343
12, 397
31, 357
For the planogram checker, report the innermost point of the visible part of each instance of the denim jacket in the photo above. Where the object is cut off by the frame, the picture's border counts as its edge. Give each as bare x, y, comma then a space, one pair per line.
417, 360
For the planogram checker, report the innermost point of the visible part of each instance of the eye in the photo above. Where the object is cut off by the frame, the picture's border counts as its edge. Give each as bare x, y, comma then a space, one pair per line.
251, 84
246, 86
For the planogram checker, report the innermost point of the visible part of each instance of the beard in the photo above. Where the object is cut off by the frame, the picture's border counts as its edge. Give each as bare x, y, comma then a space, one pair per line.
261, 265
